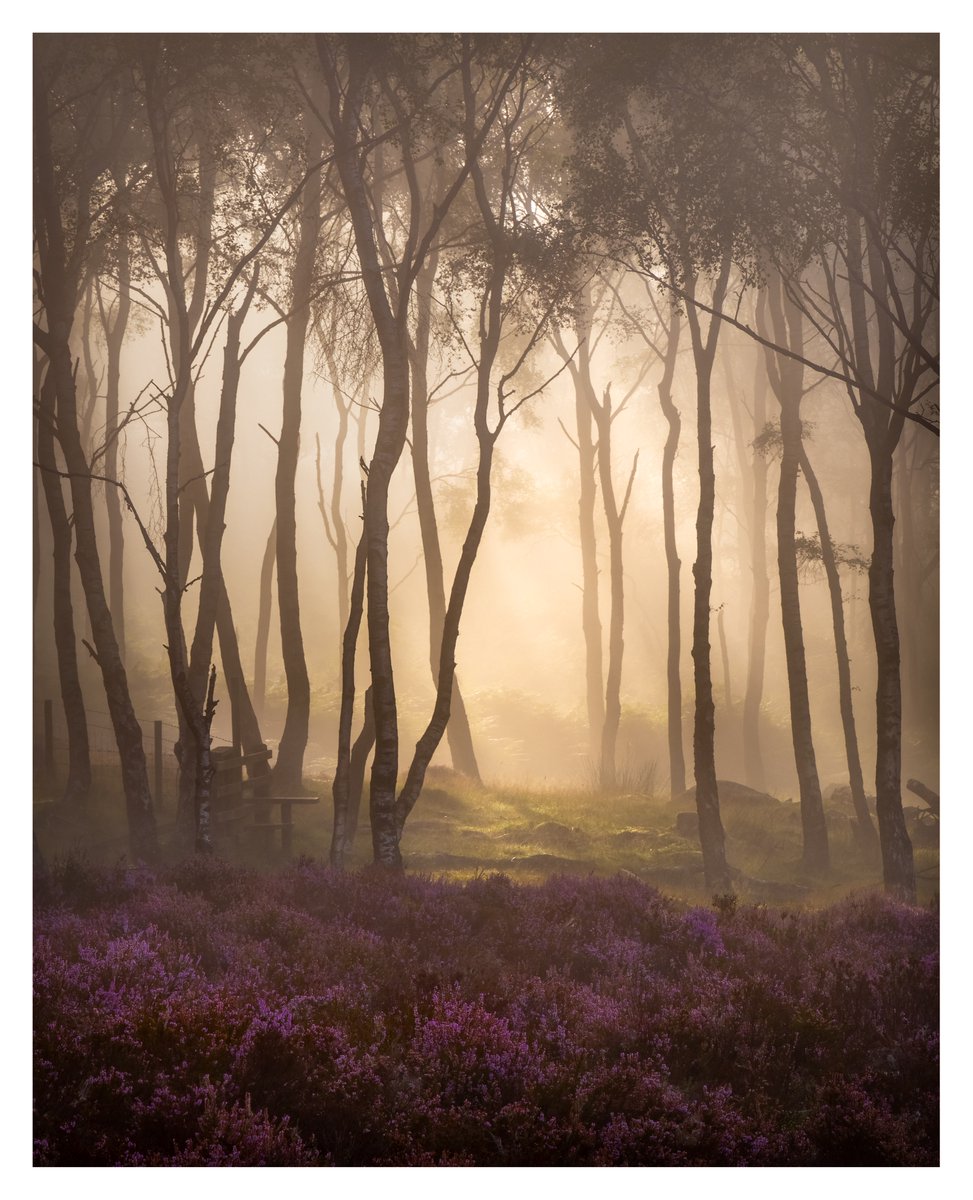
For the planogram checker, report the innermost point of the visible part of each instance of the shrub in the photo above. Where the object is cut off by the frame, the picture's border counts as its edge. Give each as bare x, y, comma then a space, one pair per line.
207, 1015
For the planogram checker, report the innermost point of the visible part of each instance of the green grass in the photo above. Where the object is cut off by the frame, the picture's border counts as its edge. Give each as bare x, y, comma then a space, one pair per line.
459, 829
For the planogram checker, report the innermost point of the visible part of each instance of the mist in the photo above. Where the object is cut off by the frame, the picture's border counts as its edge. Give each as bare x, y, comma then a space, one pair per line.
491, 453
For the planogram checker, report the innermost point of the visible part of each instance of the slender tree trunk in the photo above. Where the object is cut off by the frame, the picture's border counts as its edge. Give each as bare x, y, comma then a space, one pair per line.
78, 784
356, 768
897, 860
614, 517
590, 616
347, 99
345, 107
263, 620
907, 599
196, 493
787, 380
193, 704
745, 507
128, 731
88, 392
192, 478
711, 835
211, 583
868, 839
458, 733
433, 733
293, 742
883, 431
491, 325
341, 537
244, 715
760, 604
388, 449
340, 840
486, 440
115, 337
812, 811
677, 759
59, 295
334, 526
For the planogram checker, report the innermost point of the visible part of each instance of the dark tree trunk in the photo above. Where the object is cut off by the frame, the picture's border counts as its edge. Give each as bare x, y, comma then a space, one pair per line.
60, 292
388, 449
340, 839
711, 835
888, 368
677, 758
193, 703
244, 716
458, 733
196, 493
812, 811
491, 326
486, 440
263, 620
114, 338
211, 584
868, 839
346, 99
78, 784
128, 731
356, 768
433, 733
897, 861
907, 593
345, 107
816, 857
88, 392
293, 742
334, 526
753, 762
787, 380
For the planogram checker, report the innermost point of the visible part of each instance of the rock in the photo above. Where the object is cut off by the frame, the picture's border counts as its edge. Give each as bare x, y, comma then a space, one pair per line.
732, 796
553, 833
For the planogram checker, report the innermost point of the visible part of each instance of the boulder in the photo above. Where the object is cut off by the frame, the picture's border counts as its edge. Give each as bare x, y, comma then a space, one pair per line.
732, 796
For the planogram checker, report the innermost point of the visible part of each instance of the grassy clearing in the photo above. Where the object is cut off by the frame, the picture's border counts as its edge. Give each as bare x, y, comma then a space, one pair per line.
460, 829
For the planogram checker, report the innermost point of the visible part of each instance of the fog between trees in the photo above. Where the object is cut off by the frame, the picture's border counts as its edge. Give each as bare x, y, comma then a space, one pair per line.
472, 279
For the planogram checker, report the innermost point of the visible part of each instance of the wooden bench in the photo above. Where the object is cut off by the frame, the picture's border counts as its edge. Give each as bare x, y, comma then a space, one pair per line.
262, 824
251, 814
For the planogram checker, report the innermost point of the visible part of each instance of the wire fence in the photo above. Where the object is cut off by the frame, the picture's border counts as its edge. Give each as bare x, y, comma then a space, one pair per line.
158, 738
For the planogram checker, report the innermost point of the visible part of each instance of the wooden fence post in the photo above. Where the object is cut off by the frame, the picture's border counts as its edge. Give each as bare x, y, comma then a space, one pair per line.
158, 764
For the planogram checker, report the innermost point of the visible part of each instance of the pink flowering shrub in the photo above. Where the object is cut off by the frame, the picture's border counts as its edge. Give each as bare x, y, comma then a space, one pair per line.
208, 1015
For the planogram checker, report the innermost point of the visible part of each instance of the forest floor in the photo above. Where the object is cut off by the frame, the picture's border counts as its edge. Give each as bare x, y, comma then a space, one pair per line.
547, 984
460, 829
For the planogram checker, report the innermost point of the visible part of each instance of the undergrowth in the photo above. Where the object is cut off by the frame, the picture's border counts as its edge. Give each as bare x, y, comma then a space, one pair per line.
204, 1014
